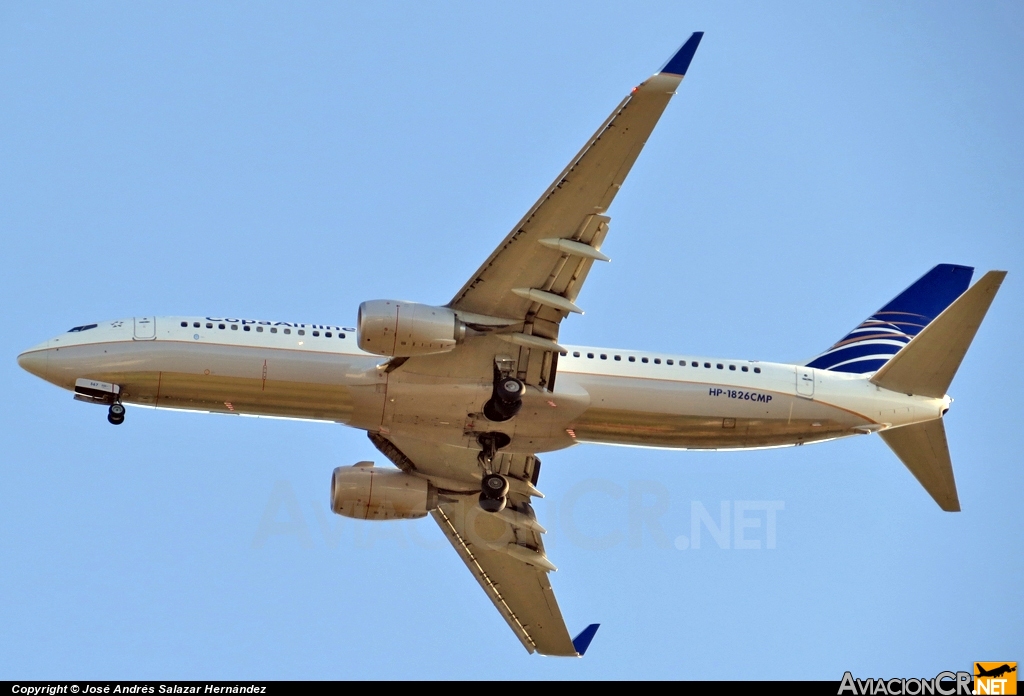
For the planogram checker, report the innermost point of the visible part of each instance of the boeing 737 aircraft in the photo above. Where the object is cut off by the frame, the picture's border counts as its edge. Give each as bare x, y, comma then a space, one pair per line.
462, 398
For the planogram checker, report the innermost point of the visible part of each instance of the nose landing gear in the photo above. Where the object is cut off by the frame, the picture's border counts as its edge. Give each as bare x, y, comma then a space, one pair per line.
115, 414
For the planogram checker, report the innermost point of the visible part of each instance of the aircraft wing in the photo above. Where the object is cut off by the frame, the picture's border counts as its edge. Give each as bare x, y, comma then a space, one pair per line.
504, 551
508, 561
535, 274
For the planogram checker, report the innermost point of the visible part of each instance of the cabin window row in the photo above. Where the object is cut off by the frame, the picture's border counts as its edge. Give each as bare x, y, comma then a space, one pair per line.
657, 361
259, 329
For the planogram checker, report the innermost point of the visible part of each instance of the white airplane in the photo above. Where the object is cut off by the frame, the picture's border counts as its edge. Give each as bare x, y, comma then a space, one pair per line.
462, 398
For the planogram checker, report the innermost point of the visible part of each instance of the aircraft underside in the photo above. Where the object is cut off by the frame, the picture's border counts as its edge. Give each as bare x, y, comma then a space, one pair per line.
462, 397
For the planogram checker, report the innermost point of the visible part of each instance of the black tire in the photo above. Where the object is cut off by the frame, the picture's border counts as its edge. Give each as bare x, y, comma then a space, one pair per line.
494, 486
117, 411
115, 420
491, 504
509, 390
498, 411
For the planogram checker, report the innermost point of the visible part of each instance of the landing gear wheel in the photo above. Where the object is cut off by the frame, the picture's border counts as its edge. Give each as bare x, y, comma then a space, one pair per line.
115, 415
494, 486
509, 390
506, 399
492, 504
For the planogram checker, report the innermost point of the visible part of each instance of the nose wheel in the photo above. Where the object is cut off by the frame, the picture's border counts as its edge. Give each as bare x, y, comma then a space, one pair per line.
115, 414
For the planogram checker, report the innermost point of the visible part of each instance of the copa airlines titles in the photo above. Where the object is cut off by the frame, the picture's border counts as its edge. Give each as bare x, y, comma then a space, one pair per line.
254, 322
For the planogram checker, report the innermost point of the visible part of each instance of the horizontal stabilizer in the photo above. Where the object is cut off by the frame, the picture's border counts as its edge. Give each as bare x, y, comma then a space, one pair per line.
927, 364
582, 641
922, 447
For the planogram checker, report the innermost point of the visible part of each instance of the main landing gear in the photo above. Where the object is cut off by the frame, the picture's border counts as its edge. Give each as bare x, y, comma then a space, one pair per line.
115, 414
493, 487
505, 402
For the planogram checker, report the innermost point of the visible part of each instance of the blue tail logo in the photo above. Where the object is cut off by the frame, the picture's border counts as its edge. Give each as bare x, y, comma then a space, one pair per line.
884, 333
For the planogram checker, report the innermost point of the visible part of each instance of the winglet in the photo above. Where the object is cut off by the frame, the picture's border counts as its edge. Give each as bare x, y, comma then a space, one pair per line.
581, 642
678, 63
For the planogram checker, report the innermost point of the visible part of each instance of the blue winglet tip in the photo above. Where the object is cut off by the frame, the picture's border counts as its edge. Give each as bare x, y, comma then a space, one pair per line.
680, 62
581, 642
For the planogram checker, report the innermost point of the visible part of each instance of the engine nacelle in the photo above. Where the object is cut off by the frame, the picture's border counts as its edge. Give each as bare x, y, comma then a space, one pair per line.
403, 329
368, 493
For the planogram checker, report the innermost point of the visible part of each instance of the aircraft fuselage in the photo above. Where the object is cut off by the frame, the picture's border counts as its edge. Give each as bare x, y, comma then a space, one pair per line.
601, 395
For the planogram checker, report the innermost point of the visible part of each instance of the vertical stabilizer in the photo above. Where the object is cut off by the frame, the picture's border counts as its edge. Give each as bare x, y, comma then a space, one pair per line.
884, 333
922, 447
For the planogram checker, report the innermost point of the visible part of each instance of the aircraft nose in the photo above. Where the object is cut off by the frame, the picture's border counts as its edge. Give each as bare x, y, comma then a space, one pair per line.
33, 361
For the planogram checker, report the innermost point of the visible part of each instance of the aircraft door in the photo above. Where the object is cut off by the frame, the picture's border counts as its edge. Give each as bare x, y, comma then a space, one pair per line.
145, 328
805, 381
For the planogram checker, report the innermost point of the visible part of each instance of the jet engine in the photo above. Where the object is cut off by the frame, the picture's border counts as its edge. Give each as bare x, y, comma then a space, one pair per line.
404, 329
368, 493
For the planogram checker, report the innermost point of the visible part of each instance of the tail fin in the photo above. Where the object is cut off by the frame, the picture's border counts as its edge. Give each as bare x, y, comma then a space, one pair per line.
922, 447
884, 333
927, 365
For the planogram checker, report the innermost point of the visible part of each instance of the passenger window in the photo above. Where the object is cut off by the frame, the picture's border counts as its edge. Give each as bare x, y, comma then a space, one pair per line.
184, 324
719, 366
195, 325
328, 334
694, 363
220, 326
273, 329
643, 360
316, 333
707, 365
563, 353
669, 362
732, 367
246, 328
287, 331
209, 326
590, 355
603, 356
757, 370
657, 361
618, 357
744, 368
259, 329
343, 336
234, 327
632, 359
575, 354
302, 332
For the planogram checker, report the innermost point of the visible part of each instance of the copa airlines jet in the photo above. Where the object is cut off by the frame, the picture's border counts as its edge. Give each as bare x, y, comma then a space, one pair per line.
462, 398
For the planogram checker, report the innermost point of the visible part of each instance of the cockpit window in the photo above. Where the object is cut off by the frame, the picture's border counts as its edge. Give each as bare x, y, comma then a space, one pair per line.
84, 327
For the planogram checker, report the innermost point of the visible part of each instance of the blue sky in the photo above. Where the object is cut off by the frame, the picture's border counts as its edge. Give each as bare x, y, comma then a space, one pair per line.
288, 161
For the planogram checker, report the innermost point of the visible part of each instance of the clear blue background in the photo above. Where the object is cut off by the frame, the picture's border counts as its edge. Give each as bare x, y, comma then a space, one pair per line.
287, 161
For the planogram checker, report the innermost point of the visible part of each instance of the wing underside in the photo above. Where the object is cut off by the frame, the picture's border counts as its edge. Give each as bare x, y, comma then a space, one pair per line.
504, 551
534, 276
509, 563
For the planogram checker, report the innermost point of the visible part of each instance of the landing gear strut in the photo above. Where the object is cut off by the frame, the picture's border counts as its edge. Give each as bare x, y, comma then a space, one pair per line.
115, 414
